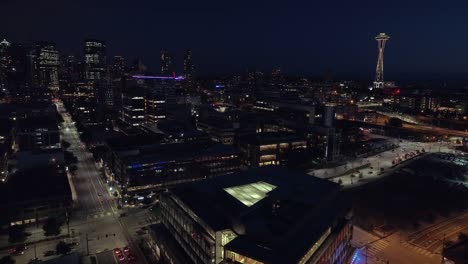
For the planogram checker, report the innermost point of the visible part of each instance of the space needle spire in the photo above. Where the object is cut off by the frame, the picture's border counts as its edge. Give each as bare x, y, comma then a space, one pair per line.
379, 72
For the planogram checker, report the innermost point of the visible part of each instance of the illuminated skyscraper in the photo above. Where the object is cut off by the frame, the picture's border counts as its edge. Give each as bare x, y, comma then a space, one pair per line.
95, 59
47, 62
4, 61
167, 66
118, 67
379, 72
188, 65
188, 69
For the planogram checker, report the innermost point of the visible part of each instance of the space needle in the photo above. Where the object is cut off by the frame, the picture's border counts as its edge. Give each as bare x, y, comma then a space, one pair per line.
379, 72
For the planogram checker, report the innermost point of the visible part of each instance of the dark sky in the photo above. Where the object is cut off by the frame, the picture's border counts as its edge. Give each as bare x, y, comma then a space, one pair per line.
300, 36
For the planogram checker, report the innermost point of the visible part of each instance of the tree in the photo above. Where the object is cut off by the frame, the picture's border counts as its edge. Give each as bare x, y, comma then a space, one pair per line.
7, 260
16, 234
62, 248
395, 122
51, 227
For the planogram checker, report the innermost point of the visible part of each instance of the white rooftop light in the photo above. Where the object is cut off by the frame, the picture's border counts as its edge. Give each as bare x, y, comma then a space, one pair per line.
250, 194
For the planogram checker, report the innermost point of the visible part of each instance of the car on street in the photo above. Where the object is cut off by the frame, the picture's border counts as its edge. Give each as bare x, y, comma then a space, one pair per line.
49, 253
126, 249
19, 250
131, 257
121, 257
99, 194
117, 251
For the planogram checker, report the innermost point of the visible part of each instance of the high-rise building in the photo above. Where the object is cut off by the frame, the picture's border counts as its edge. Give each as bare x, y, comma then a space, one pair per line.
118, 67
167, 66
47, 61
69, 75
251, 217
188, 64
95, 59
379, 72
13, 69
276, 77
4, 61
155, 104
133, 102
188, 69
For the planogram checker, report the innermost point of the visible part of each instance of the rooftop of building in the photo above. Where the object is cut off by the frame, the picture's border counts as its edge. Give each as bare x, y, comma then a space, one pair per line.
217, 122
175, 127
130, 142
269, 208
269, 138
37, 123
40, 183
179, 151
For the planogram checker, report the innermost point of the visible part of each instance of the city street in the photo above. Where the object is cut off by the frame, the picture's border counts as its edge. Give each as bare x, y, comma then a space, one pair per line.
96, 225
432, 237
103, 228
372, 249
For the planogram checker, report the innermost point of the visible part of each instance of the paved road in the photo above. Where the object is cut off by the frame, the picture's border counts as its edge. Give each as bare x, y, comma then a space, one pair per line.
392, 249
432, 237
378, 161
96, 219
95, 223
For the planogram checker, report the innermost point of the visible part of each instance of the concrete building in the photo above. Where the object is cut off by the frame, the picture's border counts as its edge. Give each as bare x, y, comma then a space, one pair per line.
33, 195
262, 149
262, 215
37, 133
46, 66
154, 165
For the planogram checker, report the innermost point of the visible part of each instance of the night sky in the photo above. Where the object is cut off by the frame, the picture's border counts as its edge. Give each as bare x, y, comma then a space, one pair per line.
302, 37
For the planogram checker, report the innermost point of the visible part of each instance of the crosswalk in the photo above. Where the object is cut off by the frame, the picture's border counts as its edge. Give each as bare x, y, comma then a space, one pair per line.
416, 249
376, 247
100, 215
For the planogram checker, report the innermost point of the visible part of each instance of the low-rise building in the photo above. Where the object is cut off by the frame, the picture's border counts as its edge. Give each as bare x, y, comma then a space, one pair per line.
262, 215
32, 195
262, 149
37, 133
219, 130
159, 166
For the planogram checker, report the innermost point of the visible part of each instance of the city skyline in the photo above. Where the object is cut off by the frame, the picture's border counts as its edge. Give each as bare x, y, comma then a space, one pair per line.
299, 38
259, 132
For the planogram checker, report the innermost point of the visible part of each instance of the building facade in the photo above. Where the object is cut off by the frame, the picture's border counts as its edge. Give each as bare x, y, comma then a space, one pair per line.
263, 149
252, 217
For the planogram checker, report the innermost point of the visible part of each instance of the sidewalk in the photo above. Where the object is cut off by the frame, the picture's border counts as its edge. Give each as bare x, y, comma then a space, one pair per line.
30, 240
36, 236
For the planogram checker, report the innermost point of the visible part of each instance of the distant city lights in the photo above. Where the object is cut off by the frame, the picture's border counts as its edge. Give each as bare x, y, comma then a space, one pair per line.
158, 77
